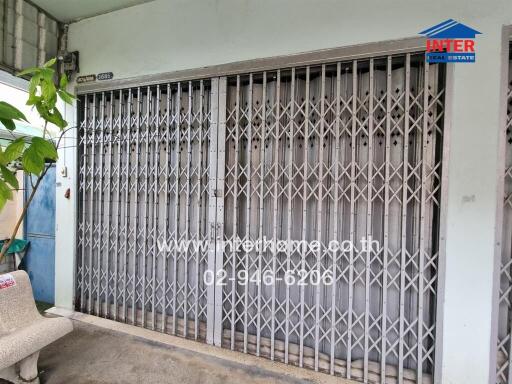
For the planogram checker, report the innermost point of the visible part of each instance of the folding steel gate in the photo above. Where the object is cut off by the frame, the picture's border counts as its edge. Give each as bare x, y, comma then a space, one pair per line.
144, 178
504, 366
318, 153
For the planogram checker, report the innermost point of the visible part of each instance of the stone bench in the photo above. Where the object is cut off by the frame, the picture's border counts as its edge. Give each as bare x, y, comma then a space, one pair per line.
23, 331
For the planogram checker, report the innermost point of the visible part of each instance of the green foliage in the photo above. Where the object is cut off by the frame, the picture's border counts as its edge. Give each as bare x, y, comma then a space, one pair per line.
8, 114
43, 92
37, 154
32, 155
5, 193
9, 177
13, 151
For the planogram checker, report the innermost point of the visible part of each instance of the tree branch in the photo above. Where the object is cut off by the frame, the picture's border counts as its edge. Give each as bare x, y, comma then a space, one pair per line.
23, 214
27, 203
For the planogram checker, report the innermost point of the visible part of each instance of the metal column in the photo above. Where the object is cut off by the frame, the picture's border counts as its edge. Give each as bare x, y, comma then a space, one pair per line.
504, 358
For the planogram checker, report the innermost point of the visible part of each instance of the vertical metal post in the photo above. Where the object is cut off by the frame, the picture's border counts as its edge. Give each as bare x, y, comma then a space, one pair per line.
405, 177
119, 125
369, 207
109, 209
385, 248
187, 207
352, 218
146, 175
235, 210
166, 236
137, 210
319, 214
221, 158
441, 265
304, 214
290, 177
127, 220
85, 127
156, 194
91, 233
275, 161
425, 117
101, 209
199, 214
177, 209
248, 205
212, 212
262, 129
335, 214
219, 203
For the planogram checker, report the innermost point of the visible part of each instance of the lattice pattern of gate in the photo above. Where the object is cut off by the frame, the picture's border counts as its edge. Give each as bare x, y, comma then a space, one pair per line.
504, 366
144, 179
336, 152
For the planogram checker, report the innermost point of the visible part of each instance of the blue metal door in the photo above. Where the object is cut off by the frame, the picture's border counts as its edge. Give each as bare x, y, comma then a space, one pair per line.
39, 262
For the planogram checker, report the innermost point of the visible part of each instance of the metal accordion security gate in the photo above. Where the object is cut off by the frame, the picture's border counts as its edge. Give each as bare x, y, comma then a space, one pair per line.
144, 179
189, 189
504, 366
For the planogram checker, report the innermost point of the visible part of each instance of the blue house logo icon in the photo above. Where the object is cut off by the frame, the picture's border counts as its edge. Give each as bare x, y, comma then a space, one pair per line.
450, 42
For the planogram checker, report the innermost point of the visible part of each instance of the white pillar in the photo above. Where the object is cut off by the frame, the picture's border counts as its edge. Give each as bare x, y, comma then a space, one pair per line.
65, 217
474, 186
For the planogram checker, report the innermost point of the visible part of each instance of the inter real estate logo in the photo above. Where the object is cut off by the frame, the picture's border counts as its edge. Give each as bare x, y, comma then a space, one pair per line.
450, 42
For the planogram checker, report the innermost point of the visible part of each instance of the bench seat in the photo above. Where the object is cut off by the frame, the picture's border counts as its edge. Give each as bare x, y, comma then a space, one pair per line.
25, 341
23, 331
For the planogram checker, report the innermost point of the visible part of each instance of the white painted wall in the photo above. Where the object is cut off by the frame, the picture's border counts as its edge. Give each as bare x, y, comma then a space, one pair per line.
65, 214
169, 35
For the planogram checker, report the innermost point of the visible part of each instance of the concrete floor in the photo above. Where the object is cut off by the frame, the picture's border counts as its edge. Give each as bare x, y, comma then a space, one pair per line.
94, 355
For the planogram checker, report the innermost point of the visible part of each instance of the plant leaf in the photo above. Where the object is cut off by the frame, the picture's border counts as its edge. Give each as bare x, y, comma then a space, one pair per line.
50, 63
65, 96
13, 151
33, 99
5, 191
34, 82
55, 118
8, 123
9, 176
32, 162
44, 148
7, 111
63, 81
28, 71
48, 89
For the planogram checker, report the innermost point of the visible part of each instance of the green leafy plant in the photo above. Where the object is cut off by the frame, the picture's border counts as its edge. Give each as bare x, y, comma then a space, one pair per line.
32, 155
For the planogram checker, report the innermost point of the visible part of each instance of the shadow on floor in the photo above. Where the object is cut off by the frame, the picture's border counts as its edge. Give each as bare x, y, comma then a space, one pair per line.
92, 355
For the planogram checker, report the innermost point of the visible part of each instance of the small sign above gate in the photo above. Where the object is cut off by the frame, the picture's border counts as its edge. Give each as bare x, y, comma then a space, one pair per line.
105, 76
99, 77
85, 79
